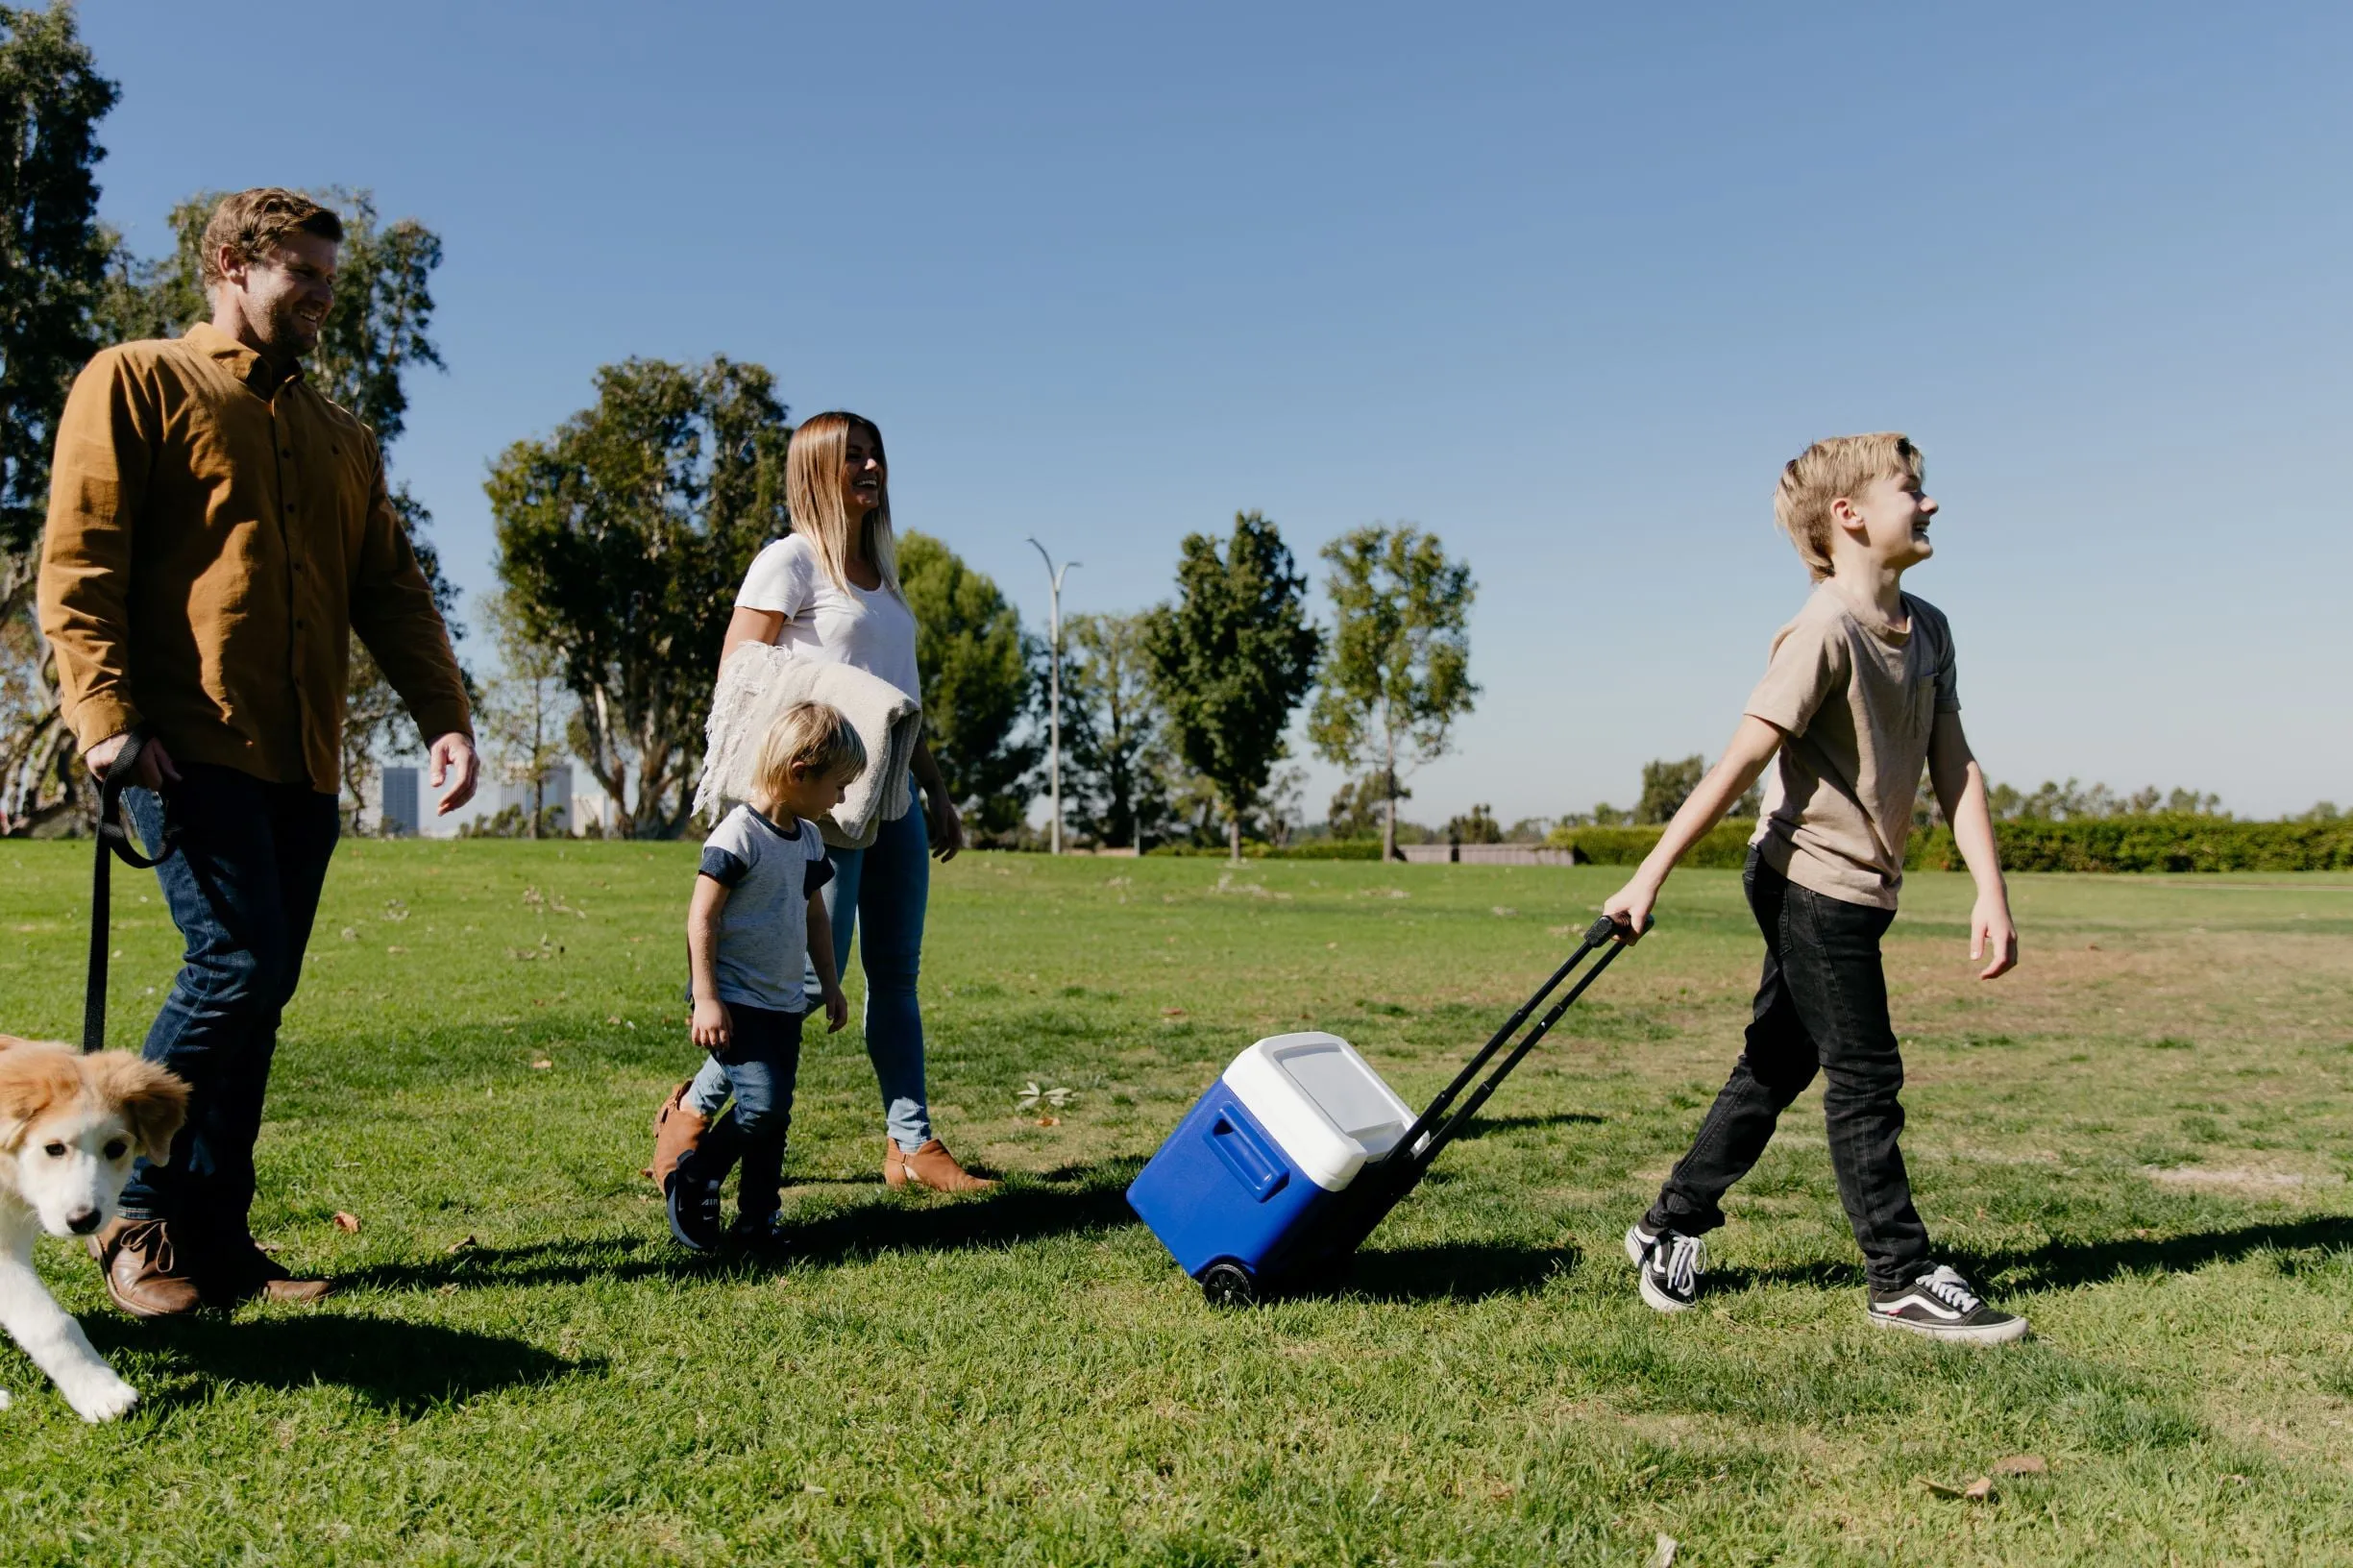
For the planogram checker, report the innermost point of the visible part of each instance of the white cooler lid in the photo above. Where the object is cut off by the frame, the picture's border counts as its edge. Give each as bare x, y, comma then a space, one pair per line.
1321, 1101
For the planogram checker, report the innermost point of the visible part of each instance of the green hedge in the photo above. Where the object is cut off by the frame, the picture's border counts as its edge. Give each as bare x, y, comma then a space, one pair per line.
2162, 841
1725, 847
1313, 850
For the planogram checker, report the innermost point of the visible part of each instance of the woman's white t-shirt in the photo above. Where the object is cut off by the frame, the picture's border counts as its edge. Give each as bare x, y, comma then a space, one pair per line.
870, 632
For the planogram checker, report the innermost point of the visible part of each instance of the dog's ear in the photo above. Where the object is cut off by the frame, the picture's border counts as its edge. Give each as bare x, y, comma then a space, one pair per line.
153, 1100
31, 1079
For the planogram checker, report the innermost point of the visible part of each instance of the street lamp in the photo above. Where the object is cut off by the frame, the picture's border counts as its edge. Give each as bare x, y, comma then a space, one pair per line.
1054, 575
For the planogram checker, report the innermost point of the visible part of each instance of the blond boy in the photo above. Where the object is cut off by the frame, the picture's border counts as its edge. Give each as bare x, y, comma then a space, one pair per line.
1858, 694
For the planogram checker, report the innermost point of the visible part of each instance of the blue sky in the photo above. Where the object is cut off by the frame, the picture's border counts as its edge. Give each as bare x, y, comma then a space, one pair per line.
1564, 285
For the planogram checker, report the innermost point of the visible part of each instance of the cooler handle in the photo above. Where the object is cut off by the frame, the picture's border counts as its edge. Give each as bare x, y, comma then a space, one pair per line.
1253, 1165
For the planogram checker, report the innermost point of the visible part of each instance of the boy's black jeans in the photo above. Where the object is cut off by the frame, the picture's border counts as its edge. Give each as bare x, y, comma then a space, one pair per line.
1820, 1005
761, 1062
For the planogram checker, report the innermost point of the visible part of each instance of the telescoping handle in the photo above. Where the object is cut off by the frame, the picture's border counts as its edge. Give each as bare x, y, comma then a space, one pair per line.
1434, 1128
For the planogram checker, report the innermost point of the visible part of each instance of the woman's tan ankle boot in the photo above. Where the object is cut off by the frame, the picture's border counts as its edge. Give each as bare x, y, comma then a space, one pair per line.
931, 1166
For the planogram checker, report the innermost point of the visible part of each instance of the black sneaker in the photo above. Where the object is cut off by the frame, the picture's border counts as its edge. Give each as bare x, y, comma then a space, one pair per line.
764, 1235
1942, 1304
1669, 1264
693, 1202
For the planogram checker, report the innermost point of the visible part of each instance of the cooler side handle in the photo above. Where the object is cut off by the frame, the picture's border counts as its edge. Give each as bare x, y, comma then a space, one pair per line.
1239, 1148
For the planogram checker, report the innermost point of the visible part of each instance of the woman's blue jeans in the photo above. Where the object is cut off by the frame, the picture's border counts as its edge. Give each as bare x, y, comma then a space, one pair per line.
887, 883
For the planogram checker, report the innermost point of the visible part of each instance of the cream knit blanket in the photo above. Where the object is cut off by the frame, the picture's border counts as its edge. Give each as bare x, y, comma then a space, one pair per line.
759, 681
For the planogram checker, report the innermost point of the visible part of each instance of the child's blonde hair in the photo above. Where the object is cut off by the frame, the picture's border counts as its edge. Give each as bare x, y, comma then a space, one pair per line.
1844, 465
813, 737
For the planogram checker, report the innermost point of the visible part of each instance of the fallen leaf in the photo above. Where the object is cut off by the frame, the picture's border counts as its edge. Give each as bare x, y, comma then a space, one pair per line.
1504, 911
347, 1222
1979, 1490
1049, 1121
1662, 1555
460, 1244
1503, 1494
396, 949
1171, 1012
541, 1064
2021, 1464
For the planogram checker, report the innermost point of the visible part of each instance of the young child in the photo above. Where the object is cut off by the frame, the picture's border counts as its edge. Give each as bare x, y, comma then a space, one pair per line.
1858, 693
755, 914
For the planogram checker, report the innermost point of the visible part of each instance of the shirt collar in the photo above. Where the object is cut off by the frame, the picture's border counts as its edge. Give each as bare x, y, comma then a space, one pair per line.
237, 360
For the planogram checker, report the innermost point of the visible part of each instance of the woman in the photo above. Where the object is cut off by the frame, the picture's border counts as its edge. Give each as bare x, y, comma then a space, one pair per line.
829, 590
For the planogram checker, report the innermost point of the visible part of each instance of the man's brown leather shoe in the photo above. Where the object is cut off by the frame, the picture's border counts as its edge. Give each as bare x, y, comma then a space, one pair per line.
240, 1271
930, 1165
144, 1272
677, 1127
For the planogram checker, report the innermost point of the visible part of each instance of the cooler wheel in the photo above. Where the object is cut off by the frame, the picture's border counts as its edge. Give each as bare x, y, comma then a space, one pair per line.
1227, 1284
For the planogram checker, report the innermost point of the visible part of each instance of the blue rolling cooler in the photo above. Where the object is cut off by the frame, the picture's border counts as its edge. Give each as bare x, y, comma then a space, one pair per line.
1298, 1150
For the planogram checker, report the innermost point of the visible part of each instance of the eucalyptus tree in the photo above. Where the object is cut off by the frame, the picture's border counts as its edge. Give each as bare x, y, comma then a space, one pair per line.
1399, 674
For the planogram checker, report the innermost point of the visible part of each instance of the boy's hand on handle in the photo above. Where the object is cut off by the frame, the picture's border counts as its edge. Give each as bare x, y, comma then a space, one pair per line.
1993, 937
836, 1010
1628, 909
714, 1025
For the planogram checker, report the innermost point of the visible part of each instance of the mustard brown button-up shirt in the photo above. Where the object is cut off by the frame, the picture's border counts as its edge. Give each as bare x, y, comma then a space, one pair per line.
216, 536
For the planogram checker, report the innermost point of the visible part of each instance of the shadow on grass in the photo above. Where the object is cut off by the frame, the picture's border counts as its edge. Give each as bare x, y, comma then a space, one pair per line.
1449, 1271
1019, 1212
2061, 1264
400, 1367
1482, 1126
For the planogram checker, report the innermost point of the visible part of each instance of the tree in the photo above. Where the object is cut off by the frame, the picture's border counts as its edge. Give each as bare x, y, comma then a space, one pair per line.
1399, 674
981, 682
1118, 750
1360, 806
1478, 826
53, 265
1231, 657
527, 714
1666, 786
622, 540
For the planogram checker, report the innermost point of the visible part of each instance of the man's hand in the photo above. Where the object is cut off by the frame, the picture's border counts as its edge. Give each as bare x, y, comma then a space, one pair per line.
1992, 937
714, 1026
1630, 908
152, 772
452, 755
836, 1010
946, 827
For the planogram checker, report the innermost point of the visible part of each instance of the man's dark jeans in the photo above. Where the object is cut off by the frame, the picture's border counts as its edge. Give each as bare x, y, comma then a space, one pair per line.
760, 1062
1820, 1005
243, 890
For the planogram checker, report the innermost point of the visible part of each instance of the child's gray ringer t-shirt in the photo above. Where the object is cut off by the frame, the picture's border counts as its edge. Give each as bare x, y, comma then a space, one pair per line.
1857, 700
770, 873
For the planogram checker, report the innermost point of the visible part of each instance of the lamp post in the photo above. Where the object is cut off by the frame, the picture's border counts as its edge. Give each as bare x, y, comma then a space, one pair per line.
1053, 766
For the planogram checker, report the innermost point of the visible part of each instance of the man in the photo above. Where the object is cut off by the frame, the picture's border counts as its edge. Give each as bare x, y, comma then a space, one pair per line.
217, 531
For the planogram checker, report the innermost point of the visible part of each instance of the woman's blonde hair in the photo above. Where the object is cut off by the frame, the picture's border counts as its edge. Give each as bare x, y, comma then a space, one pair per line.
811, 737
1844, 465
812, 494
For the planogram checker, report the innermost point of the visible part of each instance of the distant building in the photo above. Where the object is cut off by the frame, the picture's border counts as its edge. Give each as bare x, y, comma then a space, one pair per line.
554, 795
396, 813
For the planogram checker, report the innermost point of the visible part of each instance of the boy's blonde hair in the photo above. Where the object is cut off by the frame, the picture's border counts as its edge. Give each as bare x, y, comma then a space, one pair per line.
813, 737
1844, 465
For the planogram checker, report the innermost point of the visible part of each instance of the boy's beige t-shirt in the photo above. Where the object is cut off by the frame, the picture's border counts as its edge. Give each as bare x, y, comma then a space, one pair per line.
1857, 700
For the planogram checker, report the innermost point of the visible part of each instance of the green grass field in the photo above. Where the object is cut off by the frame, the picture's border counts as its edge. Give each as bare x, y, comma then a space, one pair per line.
2142, 1139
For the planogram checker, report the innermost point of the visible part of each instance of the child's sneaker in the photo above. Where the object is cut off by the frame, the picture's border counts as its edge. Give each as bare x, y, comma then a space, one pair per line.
1669, 1264
1942, 1304
693, 1201
764, 1235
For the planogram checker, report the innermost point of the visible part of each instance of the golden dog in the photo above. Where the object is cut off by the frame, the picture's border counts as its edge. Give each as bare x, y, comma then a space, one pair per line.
69, 1128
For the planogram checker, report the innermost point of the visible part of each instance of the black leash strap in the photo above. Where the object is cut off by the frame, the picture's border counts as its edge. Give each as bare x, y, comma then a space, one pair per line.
114, 839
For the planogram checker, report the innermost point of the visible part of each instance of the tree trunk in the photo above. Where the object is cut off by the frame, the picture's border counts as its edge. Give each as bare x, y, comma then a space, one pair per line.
1234, 836
1388, 793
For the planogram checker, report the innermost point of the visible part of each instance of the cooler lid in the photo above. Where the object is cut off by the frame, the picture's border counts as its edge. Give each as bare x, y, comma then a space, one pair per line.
1321, 1102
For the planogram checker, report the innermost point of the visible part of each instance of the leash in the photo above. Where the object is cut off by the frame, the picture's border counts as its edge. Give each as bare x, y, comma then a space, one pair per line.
114, 838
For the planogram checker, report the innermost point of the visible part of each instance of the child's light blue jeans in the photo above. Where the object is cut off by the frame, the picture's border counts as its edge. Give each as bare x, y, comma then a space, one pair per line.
889, 882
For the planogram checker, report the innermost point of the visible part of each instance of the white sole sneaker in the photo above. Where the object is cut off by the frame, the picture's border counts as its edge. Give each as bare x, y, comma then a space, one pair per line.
1657, 1300
1982, 1334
